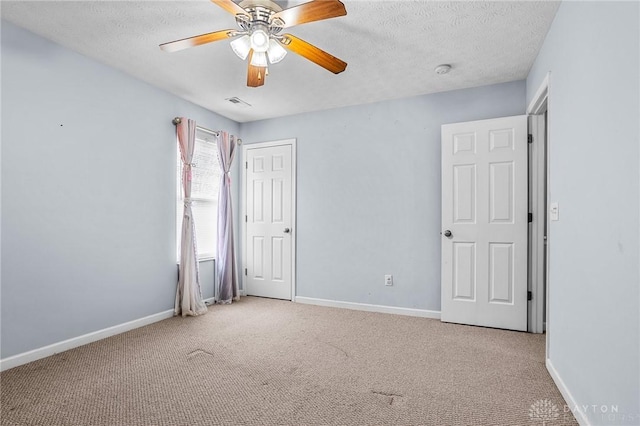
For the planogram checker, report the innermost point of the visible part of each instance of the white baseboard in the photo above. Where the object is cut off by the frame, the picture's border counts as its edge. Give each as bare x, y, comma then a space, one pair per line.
65, 345
578, 414
423, 313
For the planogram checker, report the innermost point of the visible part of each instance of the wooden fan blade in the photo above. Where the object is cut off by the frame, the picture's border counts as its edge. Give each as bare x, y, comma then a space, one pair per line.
230, 7
316, 10
185, 43
255, 75
314, 54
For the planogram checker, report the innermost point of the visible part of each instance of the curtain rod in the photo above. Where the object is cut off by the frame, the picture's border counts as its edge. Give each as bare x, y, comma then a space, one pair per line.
178, 120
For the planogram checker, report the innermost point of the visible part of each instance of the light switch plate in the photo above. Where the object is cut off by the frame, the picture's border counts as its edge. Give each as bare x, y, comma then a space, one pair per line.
554, 211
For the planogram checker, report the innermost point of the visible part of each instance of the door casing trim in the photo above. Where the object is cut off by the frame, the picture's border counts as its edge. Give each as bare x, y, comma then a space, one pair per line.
539, 105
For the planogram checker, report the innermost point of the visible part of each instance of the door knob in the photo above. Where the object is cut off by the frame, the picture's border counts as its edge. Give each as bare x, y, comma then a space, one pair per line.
287, 230
448, 234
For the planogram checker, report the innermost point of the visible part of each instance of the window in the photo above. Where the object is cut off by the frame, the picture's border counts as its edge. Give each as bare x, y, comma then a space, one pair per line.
205, 185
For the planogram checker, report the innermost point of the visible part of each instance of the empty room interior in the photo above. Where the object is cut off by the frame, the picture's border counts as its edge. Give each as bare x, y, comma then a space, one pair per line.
321, 212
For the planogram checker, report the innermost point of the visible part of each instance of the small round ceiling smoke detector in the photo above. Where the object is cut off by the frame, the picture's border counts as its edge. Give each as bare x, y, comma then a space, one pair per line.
443, 69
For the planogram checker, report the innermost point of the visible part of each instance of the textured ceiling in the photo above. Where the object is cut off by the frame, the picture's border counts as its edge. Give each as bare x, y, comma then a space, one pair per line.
391, 47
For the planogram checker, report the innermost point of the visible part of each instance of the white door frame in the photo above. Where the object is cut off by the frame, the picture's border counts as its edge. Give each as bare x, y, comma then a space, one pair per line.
243, 207
540, 158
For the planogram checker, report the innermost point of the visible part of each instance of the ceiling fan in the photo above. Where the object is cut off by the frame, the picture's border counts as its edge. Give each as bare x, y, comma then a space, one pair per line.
259, 38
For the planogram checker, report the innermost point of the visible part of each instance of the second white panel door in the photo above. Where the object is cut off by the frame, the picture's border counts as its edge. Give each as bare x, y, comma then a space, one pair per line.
269, 229
484, 223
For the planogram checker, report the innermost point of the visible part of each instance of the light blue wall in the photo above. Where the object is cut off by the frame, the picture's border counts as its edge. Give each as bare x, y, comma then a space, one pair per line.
592, 52
88, 193
369, 192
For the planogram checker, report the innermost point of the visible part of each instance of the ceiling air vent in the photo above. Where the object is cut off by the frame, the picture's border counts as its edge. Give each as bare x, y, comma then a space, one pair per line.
237, 101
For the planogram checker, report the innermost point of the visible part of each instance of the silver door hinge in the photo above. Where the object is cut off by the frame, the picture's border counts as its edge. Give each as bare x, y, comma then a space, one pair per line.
245, 271
246, 164
246, 218
530, 138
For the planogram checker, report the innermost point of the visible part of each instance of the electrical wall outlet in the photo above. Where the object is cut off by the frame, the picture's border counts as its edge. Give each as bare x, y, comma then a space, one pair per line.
388, 280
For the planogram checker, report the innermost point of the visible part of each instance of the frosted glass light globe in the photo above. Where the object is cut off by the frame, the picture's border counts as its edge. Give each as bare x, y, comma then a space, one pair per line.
259, 41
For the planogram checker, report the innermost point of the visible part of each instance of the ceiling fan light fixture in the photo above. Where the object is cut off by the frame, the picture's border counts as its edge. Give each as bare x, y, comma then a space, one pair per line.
241, 46
276, 53
260, 40
259, 59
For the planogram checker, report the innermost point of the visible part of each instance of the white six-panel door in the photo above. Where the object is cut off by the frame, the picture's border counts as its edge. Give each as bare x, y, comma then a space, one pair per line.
269, 224
484, 223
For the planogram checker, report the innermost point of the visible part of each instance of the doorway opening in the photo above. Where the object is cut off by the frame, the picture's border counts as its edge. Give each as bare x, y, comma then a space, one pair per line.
495, 267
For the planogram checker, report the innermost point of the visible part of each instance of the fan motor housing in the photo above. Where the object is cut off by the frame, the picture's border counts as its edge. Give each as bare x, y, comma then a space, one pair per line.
267, 5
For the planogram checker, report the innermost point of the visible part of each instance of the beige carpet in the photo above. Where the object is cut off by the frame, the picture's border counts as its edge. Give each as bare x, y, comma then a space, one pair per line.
269, 362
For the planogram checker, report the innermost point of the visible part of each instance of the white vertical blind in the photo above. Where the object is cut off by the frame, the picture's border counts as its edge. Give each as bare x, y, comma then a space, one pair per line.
205, 185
